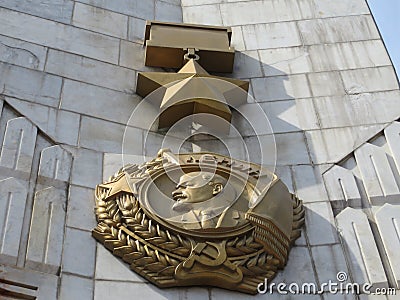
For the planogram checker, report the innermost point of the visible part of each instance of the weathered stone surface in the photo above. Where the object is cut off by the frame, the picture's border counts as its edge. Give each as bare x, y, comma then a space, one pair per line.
327, 9
320, 224
113, 162
259, 12
12, 209
136, 29
369, 80
110, 138
280, 149
207, 17
168, 12
392, 133
62, 126
358, 109
220, 294
38, 87
290, 115
279, 35
109, 267
58, 36
56, 163
32, 284
352, 55
325, 84
282, 61
377, 175
22, 53
329, 261
251, 119
86, 167
342, 187
18, 145
98, 102
132, 57
246, 65
335, 30
388, 220
100, 20
79, 253
360, 248
309, 184
332, 145
298, 269
291, 149
122, 290
280, 88
47, 231
198, 2
57, 10
74, 287
90, 71
136, 8
237, 40
81, 208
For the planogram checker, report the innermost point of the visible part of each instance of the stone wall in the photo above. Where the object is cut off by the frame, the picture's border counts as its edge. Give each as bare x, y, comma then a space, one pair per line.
319, 70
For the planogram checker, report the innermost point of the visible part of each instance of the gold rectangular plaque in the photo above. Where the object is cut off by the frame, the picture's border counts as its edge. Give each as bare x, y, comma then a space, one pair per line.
167, 43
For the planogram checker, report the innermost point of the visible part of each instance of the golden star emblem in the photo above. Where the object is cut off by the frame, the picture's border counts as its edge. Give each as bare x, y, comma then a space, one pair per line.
119, 185
192, 91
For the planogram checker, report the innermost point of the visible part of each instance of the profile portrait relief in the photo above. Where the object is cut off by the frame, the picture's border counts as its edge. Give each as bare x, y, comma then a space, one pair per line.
204, 200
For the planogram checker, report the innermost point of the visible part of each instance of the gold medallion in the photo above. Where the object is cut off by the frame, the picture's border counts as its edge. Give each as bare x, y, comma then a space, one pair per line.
198, 219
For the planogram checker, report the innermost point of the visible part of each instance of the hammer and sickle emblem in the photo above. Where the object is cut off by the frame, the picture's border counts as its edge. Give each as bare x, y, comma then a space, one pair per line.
209, 254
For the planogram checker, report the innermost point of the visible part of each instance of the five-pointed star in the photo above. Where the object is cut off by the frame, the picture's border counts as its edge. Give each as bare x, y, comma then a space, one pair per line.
192, 91
119, 185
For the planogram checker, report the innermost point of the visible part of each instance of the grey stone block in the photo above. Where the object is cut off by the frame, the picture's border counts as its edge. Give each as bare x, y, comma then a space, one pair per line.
98, 102
308, 184
100, 20
135, 8
348, 55
37, 86
210, 15
257, 12
110, 138
280, 88
62, 126
279, 35
86, 167
75, 287
58, 36
282, 61
168, 12
18, 145
46, 234
136, 30
56, 10
327, 9
361, 251
340, 29
90, 71
22, 53
320, 224
12, 209
79, 253
81, 205
369, 80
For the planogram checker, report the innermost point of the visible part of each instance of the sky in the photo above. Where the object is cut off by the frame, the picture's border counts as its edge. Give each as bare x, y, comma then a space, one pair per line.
387, 15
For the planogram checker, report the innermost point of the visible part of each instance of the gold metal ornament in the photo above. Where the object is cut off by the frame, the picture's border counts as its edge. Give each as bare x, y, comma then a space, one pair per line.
193, 92
167, 43
198, 219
